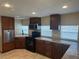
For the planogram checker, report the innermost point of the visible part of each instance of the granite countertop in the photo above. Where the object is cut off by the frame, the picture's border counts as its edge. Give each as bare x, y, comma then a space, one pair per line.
73, 50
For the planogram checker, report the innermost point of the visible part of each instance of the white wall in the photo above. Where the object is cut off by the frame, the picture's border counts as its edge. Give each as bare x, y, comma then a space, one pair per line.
70, 19
25, 21
45, 20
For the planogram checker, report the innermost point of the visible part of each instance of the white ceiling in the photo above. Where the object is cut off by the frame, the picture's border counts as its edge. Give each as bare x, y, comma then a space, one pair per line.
41, 7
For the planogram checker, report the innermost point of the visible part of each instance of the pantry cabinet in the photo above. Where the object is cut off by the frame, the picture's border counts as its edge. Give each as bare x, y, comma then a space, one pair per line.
7, 33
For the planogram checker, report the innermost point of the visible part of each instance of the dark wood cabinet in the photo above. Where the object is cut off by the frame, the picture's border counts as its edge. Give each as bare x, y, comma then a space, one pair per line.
7, 28
48, 50
43, 47
55, 21
51, 49
40, 47
20, 42
7, 22
8, 46
34, 21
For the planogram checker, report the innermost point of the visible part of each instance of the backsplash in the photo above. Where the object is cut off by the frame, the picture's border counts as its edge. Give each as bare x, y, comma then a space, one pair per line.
56, 34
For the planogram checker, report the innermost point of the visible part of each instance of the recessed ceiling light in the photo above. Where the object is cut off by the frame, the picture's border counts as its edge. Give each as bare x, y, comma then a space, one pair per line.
65, 7
7, 5
33, 13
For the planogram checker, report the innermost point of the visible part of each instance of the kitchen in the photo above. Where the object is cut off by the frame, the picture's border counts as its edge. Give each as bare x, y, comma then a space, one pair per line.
54, 36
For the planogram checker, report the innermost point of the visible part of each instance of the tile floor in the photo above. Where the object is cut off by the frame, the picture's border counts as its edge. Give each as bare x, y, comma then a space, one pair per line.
21, 54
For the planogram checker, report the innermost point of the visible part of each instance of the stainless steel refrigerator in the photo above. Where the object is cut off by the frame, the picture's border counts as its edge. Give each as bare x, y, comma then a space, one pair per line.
8, 36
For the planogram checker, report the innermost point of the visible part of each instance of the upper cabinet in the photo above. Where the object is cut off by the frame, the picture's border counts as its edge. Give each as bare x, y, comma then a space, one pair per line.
7, 22
55, 21
34, 22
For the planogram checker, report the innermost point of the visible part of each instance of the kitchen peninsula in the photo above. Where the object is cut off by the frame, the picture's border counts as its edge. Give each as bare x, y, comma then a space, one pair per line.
72, 51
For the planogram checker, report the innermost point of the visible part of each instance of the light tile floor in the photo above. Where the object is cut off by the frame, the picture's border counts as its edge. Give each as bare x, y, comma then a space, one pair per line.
21, 54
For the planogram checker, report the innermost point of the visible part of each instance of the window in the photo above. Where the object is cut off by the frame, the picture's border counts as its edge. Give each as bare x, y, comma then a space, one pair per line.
69, 32
45, 31
25, 30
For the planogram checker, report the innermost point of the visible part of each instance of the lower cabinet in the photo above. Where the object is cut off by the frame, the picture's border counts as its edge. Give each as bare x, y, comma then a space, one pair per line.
51, 49
20, 42
40, 47
8, 46
48, 50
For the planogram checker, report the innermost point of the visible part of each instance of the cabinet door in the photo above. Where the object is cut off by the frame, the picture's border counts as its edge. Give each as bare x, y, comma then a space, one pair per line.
7, 22
20, 43
48, 51
8, 46
58, 50
51, 49
43, 47
34, 21
54, 21
40, 47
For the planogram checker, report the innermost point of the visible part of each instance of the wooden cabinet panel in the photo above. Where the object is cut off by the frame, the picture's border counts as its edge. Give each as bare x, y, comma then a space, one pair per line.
8, 46
48, 50
7, 22
20, 42
40, 47
58, 50
43, 47
55, 21
51, 49
34, 21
